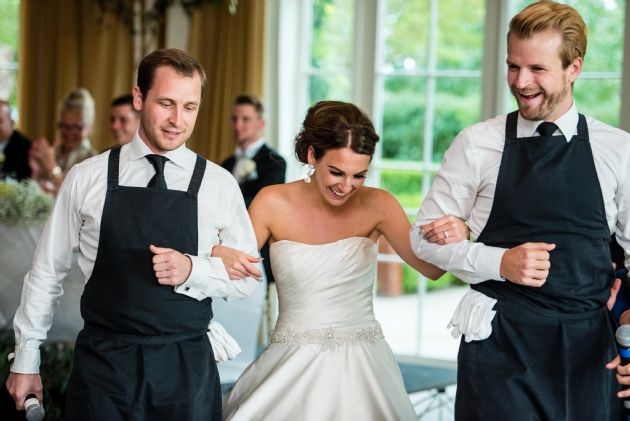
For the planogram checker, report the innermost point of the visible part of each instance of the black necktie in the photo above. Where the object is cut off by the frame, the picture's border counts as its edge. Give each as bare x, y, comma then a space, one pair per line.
547, 129
158, 162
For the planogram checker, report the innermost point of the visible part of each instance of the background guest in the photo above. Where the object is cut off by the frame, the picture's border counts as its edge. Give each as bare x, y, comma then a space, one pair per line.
254, 164
14, 147
124, 120
50, 163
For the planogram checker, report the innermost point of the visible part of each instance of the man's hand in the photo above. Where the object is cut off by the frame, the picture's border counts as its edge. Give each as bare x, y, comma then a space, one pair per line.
614, 290
623, 375
238, 264
20, 385
445, 230
171, 267
527, 264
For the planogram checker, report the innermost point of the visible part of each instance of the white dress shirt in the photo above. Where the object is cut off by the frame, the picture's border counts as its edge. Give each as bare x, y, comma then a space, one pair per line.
74, 226
464, 186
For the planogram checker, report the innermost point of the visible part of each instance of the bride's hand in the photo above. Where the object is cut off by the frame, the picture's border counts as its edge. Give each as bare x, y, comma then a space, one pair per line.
238, 264
448, 229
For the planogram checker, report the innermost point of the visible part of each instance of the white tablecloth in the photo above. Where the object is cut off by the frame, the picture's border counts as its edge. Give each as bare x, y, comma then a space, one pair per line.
16, 255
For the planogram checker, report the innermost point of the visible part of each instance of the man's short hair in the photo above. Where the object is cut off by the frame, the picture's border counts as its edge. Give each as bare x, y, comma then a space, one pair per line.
178, 60
548, 15
252, 100
123, 100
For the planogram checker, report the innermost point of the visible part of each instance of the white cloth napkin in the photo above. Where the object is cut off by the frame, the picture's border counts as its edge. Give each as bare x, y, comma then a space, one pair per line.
223, 345
473, 317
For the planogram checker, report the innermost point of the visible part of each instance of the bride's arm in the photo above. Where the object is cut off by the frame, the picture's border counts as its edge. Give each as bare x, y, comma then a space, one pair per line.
395, 227
239, 264
260, 213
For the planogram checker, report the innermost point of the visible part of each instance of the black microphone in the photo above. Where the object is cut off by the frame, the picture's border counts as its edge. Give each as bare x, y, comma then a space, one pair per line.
623, 345
34, 411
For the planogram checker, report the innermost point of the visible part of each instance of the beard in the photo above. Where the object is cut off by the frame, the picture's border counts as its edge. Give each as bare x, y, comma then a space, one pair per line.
546, 107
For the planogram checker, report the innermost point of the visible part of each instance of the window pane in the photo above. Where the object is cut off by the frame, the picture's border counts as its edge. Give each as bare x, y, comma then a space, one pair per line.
461, 29
9, 22
405, 185
333, 27
600, 99
457, 105
327, 87
403, 118
405, 32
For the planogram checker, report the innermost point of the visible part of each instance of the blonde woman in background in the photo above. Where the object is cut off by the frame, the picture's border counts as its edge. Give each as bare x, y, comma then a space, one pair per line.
49, 164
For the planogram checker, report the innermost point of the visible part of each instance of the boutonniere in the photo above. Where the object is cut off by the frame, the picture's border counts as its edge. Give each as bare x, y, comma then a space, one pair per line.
247, 171
2, 156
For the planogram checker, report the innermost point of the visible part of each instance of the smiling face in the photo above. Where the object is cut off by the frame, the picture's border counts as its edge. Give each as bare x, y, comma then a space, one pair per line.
169, 111
123, 123
339, 173
72, 129
536, 77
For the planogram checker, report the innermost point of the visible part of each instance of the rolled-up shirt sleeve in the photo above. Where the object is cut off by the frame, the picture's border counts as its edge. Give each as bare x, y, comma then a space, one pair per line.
208, 277
454, 191
42, 286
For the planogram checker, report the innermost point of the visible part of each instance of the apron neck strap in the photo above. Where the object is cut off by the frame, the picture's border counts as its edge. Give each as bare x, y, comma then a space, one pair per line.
113, 166
197, 177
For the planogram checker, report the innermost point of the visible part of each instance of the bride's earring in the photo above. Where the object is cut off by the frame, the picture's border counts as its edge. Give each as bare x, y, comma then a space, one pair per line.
309, 172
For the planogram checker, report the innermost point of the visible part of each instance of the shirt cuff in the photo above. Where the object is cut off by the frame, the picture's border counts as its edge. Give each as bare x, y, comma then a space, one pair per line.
26, 360
489, 264
203, 268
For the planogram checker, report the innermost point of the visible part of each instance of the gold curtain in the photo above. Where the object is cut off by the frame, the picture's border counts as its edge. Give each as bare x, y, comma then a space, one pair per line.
231, 49
66, 44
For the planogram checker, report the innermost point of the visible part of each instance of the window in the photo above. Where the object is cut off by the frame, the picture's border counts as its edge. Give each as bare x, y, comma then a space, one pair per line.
330, 65
9, 22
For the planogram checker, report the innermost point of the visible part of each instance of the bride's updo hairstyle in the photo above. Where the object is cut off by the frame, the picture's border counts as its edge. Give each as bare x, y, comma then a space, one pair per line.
335, 125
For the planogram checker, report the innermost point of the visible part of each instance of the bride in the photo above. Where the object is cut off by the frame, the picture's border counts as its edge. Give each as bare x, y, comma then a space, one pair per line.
328, 359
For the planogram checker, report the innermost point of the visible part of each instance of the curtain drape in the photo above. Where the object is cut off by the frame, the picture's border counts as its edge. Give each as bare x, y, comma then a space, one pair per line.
66, 44
231, 49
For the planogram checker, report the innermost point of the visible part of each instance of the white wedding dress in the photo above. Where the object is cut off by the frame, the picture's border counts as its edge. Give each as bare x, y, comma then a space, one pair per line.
327, 359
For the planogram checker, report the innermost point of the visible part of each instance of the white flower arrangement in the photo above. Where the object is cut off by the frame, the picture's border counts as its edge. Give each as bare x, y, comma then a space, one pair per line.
246, 170
23, 202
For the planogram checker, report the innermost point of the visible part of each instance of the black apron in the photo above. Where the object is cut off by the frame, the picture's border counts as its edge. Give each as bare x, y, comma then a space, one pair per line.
143, 353
545, 357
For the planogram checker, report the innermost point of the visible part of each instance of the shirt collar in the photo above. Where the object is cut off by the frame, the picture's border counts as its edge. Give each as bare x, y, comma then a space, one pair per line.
567, 123
251, 150
182, 156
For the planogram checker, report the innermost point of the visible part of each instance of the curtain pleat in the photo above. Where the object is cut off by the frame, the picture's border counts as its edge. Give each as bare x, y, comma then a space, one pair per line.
231, 49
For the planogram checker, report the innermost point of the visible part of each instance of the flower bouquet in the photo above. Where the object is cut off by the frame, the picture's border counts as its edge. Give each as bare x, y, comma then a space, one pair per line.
23, 202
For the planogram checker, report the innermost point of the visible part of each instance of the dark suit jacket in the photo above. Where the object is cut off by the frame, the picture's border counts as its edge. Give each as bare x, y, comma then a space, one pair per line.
271, 169
16, 157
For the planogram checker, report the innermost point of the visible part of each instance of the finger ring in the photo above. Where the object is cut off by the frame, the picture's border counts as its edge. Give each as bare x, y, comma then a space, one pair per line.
445, 234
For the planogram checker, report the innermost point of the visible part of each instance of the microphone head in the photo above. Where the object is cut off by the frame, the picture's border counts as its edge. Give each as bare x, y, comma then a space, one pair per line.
35, 413
623, 336
34, 410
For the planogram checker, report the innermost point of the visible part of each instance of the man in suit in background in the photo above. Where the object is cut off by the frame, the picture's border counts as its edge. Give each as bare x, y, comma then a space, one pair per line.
14, 147
254, 164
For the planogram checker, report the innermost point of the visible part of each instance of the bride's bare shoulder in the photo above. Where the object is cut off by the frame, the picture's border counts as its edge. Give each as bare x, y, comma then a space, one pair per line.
275, 195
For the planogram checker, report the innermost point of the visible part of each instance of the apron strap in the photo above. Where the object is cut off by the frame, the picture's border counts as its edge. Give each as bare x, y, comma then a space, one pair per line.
197, 177
582, 127
510, 125
113, 167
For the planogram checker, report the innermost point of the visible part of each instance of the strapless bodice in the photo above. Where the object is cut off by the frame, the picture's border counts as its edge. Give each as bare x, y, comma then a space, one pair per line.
324, 285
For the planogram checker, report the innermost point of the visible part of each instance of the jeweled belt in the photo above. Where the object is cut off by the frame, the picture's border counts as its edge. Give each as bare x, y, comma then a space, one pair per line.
327, 337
